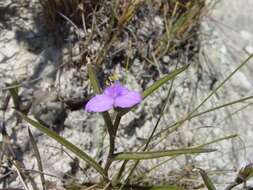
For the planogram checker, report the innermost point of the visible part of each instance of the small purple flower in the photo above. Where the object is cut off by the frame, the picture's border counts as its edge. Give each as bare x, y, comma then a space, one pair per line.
113, 96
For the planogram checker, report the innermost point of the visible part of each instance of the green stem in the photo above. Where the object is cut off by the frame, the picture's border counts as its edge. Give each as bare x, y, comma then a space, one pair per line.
112, 135
175, 126
149, 139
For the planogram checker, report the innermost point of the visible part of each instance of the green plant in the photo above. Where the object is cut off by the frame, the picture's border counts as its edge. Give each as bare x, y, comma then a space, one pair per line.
112, 127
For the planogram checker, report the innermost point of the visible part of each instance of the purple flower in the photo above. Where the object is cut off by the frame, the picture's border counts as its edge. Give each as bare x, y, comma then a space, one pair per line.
113, 96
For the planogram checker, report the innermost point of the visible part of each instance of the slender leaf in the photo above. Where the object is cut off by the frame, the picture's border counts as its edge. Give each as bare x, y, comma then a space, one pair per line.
244, 174
66, 144
142, 175
14, 96
179, 124
208, 182
217, 140
150, 136
157, 85
222, 106
158, 154
38, 158
174, 126
163, 80
247, 172
93, 79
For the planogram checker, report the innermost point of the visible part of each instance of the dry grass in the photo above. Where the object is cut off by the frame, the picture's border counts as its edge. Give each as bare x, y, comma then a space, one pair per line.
108, 22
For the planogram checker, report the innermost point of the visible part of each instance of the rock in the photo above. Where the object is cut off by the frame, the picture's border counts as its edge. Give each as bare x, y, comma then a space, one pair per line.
1, 57
74, 85
249, 49
10, 50
46, 65
246, 35
51, 114
229, 43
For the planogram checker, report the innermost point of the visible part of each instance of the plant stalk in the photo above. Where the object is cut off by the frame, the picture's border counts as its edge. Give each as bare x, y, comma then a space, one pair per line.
112, 135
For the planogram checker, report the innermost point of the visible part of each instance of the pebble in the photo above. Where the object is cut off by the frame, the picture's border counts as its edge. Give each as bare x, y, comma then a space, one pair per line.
10, 50
249, 49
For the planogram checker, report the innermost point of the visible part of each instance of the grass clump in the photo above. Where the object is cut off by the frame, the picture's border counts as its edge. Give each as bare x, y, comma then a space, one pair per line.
133, 28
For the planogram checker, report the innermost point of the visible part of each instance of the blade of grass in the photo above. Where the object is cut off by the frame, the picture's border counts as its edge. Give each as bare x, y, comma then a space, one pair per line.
208, 182
178, 124
247, 171
128, 13
217, 140
93, 79
14, 95
118, 176
158, 154
170, 129
221, 84
173, 127
141, 176
157, 85
223, 106
121, 22
162, 81
243, 176
66, 144
20, 176
234, 113
38, 158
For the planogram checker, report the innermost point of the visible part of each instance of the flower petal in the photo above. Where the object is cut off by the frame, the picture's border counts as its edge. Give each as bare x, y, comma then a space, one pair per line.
115, 90
99, 103
127, 100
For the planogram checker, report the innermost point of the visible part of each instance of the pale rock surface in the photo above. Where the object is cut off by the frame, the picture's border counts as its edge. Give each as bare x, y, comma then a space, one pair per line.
230, 41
